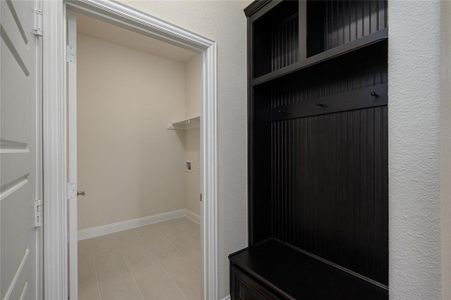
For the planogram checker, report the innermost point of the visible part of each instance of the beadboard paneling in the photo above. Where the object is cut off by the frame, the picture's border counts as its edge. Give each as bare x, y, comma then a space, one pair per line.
329, 187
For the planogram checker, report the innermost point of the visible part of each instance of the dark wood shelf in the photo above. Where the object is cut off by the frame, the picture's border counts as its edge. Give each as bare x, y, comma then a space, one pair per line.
325, 56
295, 275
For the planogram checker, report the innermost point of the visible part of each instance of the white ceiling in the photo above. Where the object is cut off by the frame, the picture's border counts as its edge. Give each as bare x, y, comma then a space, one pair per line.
118, 35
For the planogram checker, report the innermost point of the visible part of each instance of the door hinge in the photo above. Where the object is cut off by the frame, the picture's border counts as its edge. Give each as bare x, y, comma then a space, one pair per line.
37, 213
71, 190
37, 29
70, 54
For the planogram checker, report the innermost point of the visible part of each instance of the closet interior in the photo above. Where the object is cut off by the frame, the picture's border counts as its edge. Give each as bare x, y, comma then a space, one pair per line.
318, 152
138, 165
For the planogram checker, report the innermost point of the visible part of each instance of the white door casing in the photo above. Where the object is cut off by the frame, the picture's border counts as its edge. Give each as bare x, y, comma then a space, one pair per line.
20, 142
55, 123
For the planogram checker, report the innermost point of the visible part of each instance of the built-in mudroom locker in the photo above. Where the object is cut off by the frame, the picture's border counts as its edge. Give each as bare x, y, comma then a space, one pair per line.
318, 152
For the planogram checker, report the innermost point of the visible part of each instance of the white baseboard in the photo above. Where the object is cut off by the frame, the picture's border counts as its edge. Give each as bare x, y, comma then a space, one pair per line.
226, 298
93, 232
192, 216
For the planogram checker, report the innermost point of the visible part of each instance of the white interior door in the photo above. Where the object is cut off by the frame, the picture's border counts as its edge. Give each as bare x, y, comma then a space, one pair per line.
20, 143
72, 153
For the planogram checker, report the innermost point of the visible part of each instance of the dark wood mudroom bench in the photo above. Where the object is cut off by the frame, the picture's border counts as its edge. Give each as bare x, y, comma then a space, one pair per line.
274, 270
317, 152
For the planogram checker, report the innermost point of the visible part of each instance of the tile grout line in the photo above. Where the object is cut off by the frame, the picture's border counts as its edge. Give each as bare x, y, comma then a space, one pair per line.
200, 242
199, 268
97, 277
179, 250
162, 266
130, 269
180, 253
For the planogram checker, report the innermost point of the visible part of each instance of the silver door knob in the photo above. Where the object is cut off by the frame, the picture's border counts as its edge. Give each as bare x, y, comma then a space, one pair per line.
81, 193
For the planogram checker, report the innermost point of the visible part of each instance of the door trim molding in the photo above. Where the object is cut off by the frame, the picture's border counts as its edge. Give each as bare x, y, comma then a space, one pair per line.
54, 151
55, 137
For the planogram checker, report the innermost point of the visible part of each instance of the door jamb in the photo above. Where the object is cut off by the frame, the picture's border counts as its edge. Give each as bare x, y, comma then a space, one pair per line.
55, 135
72, 223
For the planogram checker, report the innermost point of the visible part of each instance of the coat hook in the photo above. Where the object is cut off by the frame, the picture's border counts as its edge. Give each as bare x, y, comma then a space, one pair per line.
374, 94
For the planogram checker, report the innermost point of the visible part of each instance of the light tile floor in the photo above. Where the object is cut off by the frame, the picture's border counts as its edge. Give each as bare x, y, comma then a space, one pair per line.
156, 262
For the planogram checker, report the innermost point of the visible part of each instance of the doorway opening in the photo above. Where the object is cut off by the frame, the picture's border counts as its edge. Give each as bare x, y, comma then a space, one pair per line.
135, 164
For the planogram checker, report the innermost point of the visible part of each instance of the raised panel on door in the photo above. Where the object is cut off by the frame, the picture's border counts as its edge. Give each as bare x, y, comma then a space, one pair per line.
19, 152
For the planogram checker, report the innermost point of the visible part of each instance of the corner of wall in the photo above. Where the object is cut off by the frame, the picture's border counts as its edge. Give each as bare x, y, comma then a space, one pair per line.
193, 80
193, 102
445, 126
415, 208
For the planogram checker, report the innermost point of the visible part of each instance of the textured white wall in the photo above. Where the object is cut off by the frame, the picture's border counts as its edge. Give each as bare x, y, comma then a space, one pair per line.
129, 164
446, 149
225, 23
415, 150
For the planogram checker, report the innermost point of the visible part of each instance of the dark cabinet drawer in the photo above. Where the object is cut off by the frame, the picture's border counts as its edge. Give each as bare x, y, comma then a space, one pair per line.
244, 287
